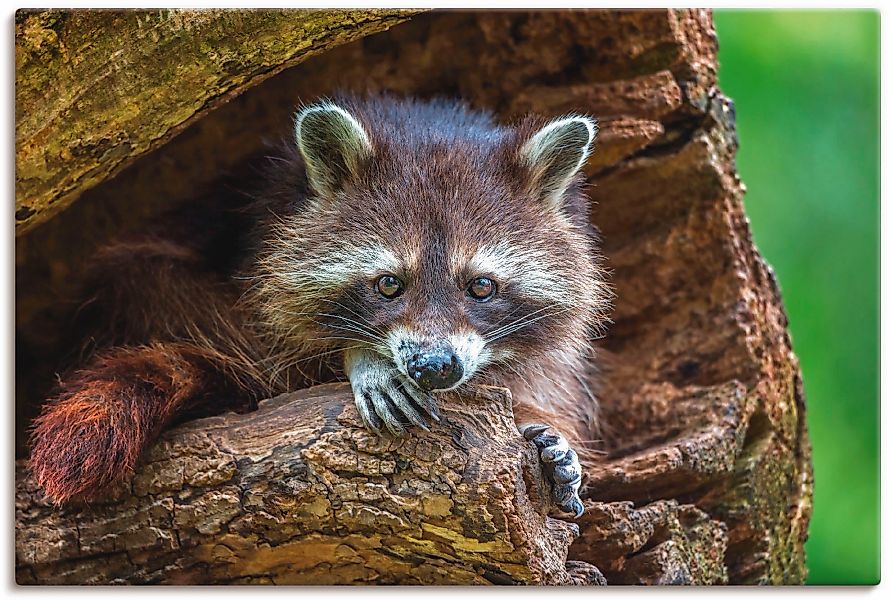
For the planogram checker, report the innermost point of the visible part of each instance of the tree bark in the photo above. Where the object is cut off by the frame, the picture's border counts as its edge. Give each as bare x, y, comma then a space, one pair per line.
298, 492
96, 89
706, 473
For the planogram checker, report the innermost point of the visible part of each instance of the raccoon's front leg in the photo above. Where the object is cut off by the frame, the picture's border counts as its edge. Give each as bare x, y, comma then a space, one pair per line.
384, 395
560, 464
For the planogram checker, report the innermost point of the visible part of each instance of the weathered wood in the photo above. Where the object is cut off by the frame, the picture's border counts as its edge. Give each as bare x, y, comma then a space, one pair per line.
706, 474
299, 493
96, 89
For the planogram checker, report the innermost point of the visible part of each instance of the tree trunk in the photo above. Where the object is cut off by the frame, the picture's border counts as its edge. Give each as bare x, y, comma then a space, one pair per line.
706, 474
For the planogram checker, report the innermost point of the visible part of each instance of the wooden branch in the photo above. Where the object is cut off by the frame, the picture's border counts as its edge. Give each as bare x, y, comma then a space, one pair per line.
96, 89
299, 492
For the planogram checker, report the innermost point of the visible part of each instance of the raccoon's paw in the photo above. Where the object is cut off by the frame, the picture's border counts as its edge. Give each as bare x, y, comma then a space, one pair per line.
561, 466
386, 400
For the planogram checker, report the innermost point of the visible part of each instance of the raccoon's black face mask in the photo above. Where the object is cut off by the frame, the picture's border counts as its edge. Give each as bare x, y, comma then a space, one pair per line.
447, 244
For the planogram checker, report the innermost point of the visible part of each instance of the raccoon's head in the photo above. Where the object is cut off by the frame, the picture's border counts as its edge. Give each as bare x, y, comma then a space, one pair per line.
429, 234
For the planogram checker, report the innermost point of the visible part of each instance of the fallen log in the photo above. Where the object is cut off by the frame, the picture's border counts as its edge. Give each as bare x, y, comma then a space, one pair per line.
298, 492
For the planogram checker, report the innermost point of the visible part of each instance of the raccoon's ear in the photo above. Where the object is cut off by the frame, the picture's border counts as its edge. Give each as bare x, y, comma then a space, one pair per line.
555, 154
333, 144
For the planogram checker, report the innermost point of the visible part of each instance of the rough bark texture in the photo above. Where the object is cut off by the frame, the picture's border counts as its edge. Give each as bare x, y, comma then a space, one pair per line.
299, 493
706, 474
96, 89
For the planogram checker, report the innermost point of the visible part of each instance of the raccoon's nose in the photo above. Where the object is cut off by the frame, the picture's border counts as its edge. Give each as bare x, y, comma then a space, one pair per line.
435, 370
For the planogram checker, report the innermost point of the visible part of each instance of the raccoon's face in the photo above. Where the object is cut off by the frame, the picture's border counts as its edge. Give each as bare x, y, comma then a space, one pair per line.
449, 245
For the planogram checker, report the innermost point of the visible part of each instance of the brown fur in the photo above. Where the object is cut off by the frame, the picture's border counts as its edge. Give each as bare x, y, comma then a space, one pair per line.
179, 336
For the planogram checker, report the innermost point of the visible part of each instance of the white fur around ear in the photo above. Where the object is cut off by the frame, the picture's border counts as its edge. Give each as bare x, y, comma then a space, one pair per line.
556, 153
333, 145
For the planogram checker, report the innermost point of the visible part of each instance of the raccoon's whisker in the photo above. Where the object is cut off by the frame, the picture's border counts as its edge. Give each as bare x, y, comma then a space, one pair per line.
515, 310
352, 329
283, 361
520, 324
364, 344
365, 321
537, 373
284, 337
516, 328
370, 335
280, 364
514, 322
274, 158
374, 335
367, 326
353, 312
336, 337
346, 327
330, 352
554, 310
513, 329
349, 324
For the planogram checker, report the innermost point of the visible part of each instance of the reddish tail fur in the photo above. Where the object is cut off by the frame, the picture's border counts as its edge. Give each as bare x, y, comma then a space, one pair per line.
92, 434
176, 349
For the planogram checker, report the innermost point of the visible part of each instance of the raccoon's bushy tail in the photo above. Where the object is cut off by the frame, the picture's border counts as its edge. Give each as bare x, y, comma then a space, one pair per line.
91, 435
174, 350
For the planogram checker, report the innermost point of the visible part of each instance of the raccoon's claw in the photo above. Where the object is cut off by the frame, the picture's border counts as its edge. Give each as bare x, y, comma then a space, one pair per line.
561, 466
368, 415
392, 408
386, 401
385, 408
422, 399
530, 432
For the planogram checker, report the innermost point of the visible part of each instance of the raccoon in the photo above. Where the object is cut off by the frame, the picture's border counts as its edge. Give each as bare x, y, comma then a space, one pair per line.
408, 246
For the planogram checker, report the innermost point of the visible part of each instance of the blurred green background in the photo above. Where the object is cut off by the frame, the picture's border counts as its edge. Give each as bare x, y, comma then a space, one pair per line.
806, 89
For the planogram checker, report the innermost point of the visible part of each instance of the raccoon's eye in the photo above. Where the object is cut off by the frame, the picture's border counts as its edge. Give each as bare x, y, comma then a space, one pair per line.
481, 289
389, 287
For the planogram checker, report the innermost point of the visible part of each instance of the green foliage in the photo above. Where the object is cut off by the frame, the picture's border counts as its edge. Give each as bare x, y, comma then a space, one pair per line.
806, 89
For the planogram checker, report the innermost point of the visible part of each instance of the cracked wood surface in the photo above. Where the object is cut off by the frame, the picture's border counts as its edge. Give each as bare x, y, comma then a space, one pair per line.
96, 89
706, 474
298, 492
